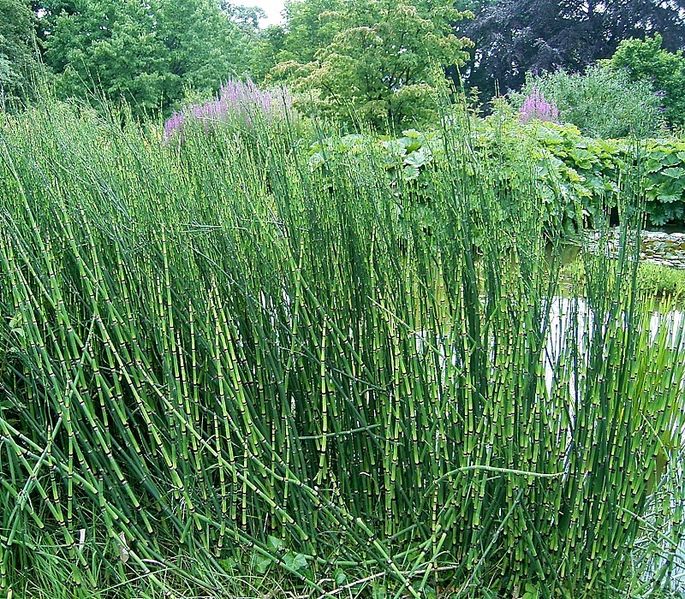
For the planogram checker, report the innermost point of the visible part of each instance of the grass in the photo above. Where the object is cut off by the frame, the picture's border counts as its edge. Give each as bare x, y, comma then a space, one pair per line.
223, 374
662, 283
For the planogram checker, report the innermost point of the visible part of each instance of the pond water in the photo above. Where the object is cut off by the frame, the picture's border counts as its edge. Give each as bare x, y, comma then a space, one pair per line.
570, 321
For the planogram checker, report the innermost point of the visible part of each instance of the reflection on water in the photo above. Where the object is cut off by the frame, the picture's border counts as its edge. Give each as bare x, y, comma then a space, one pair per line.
571, 320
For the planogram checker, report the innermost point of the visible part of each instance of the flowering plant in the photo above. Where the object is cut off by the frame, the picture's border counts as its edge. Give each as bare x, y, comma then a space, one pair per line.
536, 107
241, 99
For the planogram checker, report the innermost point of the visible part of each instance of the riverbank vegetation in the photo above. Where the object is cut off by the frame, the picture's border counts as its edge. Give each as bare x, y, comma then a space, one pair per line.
661, 283
352, 306
218, 360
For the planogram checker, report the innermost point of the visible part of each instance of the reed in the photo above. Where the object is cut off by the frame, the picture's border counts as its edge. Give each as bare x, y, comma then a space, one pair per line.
210, 354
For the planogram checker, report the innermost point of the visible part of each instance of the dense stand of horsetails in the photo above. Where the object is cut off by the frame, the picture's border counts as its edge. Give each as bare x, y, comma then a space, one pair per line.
212, 354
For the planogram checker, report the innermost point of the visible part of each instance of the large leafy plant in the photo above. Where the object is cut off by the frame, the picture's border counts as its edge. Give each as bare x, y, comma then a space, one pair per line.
596, 166
577, 176
665, 181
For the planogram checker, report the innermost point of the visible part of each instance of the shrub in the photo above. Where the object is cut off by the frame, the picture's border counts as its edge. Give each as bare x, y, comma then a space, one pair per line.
600, 102
646, 61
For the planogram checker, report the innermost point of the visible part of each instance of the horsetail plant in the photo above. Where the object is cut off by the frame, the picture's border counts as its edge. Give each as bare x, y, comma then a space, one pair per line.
212, 357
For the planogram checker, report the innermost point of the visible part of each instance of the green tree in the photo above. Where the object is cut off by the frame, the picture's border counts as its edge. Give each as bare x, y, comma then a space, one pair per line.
148, 53
47, 12
246, 17
647, 60
306, 30
377, 61
17, 49
310, 25
515, 37
205, 46
268, 49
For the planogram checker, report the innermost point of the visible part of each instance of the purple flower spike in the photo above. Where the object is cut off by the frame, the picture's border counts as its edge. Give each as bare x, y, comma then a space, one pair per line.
536, 107
241, 99
173, 124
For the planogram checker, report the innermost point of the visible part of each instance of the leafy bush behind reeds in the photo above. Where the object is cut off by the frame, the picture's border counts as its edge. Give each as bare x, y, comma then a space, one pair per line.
571, 171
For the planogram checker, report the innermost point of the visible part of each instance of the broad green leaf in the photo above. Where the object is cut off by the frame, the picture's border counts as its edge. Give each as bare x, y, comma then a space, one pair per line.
410, 173
262, 563
675, 172
274, 543
295, 561
419, 158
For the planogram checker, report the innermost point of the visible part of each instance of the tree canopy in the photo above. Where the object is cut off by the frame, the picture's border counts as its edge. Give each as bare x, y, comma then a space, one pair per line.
17, 48
513, 37
378, 61
246, 17
148, 53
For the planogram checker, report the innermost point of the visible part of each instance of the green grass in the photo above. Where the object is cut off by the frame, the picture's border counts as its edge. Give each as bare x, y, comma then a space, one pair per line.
661, 283
238, 377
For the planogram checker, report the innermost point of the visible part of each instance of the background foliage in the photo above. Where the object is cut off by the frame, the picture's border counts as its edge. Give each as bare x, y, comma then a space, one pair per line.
601, 102
647, 60
18, 61
369, 62
375, 61
148, 54
514, 37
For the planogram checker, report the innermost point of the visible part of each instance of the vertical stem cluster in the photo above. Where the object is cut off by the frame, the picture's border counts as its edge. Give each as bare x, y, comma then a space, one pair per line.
212, 347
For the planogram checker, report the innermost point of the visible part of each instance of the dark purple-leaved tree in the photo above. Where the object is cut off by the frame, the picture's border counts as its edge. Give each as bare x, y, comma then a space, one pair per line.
513, 37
